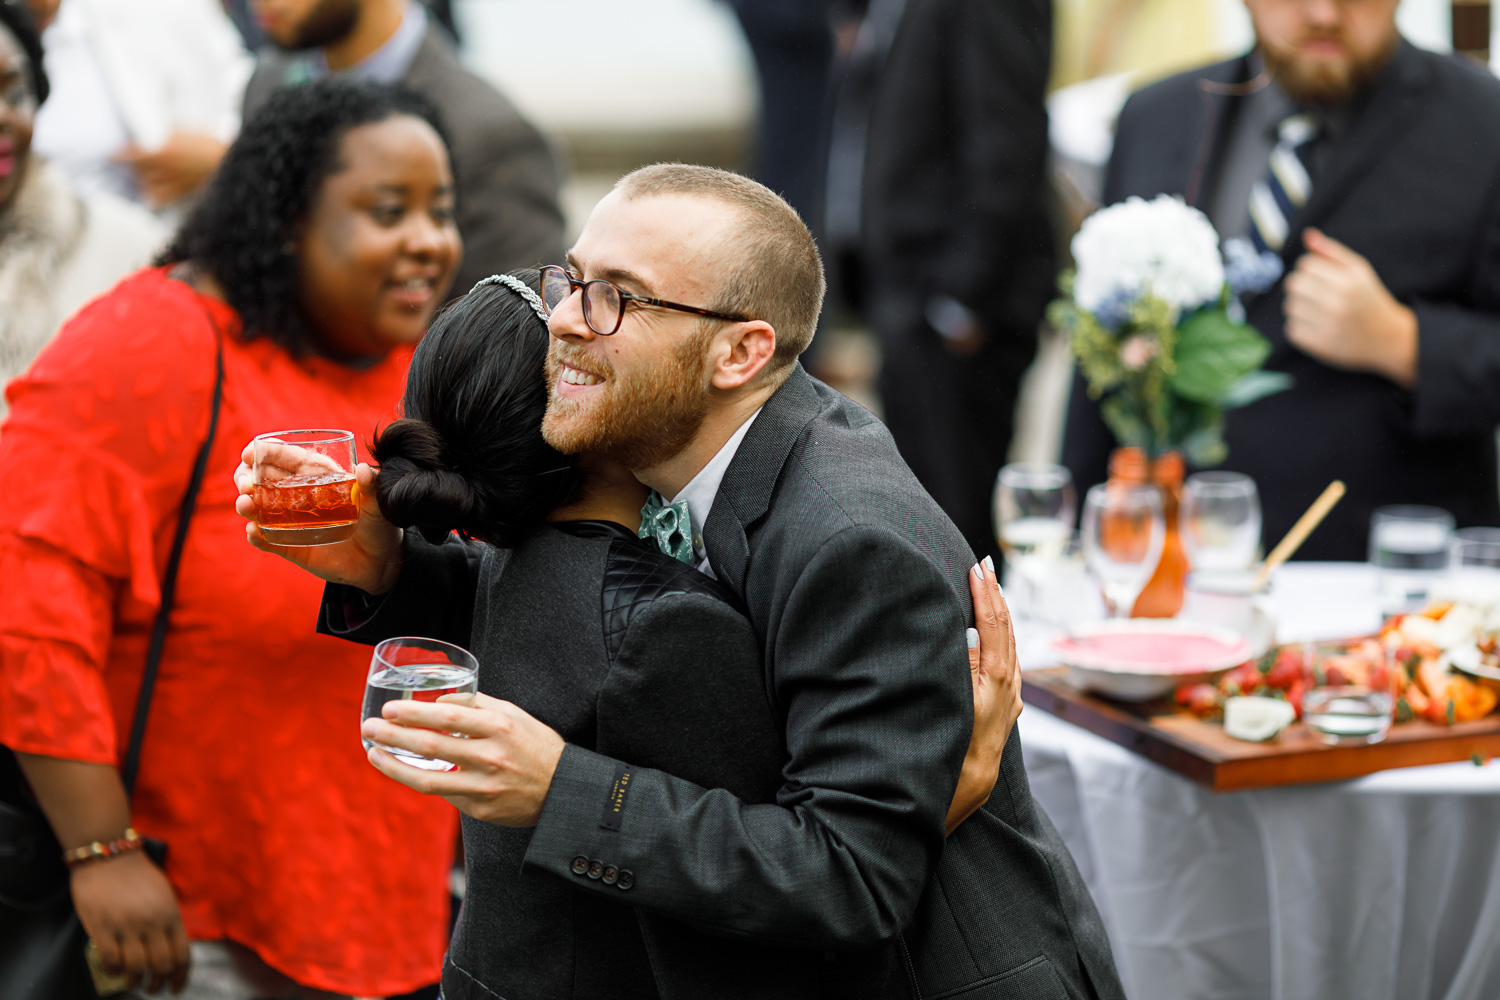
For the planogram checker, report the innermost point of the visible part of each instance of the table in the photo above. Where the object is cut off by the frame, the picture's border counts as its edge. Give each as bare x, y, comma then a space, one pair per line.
1382, 888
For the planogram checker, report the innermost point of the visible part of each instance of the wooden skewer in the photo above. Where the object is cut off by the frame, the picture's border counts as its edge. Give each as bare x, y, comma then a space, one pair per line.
1304, 527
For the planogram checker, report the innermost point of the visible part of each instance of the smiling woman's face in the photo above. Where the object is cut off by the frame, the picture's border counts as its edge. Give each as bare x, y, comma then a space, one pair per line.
17, 111
379, 246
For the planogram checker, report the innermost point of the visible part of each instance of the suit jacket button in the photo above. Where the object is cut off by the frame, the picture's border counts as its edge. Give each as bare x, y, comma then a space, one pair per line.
611, 875
580, 865
596, 868
627, 880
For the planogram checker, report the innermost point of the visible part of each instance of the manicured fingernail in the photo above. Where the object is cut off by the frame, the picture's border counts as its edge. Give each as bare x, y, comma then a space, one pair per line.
989, 564
972, 634
979, 570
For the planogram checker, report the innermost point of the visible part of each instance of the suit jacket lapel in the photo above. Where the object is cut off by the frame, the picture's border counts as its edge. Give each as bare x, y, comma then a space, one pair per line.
1392, 108
1198, 143
745, 493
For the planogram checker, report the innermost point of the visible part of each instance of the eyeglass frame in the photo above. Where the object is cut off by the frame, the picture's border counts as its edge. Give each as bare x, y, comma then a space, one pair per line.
574, 284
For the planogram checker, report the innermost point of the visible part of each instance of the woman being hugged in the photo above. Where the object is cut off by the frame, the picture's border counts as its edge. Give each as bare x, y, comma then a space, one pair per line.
314, 263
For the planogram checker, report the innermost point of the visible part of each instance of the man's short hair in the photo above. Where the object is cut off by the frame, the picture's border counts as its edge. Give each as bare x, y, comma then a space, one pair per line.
773, 271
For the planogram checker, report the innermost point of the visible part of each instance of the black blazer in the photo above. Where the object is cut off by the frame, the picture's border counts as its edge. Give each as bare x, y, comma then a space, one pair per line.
856, 586
1414, 186
508, 175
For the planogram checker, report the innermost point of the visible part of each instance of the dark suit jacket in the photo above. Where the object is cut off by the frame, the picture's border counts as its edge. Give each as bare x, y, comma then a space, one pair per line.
508, 176
1414, 186
955, 197
855, 583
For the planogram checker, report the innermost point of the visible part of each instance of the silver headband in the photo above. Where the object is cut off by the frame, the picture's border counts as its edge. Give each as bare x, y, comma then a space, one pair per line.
520, 288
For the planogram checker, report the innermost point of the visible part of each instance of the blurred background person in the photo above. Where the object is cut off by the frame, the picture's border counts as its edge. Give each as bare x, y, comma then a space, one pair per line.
315, 260
956, 237
792, 41
58, 248
146, 95
1381, 211
508, 174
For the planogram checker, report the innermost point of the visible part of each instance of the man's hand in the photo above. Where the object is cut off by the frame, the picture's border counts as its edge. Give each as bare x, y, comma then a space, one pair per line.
502, 769
995, 673
1338, 311
177, 169
370, 559
127, 908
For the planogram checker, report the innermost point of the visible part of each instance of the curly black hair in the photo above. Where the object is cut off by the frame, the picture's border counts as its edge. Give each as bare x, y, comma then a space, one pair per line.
266, 184
18, 21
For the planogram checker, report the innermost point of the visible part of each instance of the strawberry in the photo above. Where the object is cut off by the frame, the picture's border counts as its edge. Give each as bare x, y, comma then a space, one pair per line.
1286, 671
1200, 699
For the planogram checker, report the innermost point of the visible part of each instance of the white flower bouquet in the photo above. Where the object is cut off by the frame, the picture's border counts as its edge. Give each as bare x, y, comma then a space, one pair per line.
1156, 327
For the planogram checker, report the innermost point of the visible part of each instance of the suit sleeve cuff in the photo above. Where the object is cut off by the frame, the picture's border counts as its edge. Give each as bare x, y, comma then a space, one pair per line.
570, 833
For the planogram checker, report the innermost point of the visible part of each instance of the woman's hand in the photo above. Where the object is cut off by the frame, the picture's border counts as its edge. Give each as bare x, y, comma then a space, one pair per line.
128, 910
370, 559
996, 676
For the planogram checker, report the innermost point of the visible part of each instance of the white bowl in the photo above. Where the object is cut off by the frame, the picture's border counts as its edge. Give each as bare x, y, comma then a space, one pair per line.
1139, 659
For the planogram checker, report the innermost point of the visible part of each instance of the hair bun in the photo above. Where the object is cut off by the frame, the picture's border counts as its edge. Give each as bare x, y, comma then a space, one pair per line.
417, 487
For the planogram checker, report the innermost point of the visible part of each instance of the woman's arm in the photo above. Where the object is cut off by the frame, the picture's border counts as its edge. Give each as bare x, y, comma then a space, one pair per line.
124, 902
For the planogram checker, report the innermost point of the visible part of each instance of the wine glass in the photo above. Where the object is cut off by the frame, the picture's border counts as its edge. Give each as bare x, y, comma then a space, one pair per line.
1220, 520
1123, 532
1034, 509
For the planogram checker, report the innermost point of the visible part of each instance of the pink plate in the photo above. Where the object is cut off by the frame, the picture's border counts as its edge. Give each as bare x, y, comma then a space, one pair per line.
1137, 659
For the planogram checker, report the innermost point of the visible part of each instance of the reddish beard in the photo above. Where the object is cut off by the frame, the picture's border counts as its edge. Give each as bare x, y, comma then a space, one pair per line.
1320, 81
639, 420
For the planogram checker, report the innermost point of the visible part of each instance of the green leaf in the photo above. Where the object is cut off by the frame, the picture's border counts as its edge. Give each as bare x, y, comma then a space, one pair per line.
1125, 423
1256, 385
1213, 353
1205, 448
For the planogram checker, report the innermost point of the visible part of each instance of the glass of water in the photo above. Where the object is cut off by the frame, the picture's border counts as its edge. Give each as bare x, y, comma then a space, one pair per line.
1123, 533
416, 669
1219, 519
1349, 696
1410, 548
1034, 510
1475, 571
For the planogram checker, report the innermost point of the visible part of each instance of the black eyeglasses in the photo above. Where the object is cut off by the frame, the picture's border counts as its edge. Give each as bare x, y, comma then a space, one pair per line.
604, 301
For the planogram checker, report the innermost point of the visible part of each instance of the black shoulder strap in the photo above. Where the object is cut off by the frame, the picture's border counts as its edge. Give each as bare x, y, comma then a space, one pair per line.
169, 577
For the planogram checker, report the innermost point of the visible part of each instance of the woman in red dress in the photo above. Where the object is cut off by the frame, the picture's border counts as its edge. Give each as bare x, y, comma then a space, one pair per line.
315, 261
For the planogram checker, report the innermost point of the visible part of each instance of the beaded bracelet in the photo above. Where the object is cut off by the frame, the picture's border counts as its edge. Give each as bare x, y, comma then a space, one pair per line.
98, 850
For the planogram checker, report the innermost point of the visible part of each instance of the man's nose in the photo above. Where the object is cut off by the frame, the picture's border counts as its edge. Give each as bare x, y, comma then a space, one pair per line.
1323, 13
565, 320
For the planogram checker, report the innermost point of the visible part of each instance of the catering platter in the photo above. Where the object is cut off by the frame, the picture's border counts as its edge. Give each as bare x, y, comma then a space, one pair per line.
1199, 749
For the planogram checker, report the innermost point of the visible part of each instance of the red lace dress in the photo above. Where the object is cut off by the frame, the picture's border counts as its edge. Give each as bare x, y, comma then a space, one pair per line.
281, 835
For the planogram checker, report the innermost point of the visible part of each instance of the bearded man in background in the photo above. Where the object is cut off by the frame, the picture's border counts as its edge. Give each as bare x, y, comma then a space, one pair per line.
1368, 167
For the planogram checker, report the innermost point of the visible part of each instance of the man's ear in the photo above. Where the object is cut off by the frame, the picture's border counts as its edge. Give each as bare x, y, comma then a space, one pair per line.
741, 353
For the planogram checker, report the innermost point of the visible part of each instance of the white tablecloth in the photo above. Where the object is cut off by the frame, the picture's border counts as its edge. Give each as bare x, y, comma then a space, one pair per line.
1382, 888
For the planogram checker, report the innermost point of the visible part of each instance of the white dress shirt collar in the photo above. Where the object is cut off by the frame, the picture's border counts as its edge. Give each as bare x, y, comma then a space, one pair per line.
700, 492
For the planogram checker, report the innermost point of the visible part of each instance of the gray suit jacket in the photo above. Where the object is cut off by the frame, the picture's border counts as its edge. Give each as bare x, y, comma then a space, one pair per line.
508, 176
855, 583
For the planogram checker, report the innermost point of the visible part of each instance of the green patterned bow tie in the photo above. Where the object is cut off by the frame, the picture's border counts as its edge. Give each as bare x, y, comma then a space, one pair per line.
669, 527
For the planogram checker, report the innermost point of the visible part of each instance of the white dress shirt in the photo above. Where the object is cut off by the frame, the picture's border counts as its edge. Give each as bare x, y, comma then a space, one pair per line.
700, 492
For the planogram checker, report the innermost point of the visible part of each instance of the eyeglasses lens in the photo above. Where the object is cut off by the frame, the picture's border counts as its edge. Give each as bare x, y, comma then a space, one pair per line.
601, 306
555, 287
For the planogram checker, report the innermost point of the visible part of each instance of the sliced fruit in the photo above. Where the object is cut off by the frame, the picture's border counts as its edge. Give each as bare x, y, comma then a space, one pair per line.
1255, 719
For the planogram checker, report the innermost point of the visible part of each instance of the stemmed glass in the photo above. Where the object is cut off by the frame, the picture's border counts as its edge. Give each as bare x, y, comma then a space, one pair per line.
1034, 510
1220, 520
1123, 532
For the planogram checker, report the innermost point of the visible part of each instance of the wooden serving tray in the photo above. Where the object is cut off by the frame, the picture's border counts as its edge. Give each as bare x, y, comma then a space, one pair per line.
1201, 751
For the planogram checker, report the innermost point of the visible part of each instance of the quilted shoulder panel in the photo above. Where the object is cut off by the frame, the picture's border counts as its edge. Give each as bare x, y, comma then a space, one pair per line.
635, 574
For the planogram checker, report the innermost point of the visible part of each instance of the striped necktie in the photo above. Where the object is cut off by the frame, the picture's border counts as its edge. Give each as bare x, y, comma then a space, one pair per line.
1285, 188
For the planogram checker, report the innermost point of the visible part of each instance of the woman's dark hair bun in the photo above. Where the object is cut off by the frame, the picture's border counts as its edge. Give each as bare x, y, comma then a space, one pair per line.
468, 455
416, 488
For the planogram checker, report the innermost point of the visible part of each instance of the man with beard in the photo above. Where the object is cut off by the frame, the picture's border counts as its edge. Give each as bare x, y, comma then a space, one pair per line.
676, 329
508, 176
1367, 167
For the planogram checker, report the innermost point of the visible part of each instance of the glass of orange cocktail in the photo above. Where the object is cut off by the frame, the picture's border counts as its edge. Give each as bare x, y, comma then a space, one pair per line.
304, 486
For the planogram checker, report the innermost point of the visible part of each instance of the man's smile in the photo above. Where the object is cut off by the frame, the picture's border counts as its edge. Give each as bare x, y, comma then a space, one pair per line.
573, 380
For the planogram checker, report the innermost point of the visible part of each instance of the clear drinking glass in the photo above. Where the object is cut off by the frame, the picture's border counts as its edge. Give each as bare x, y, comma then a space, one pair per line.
1410, 548
304, 486
1350, 691
416, 669
1035, 505
1220, 520
1123, 532
1474, 573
